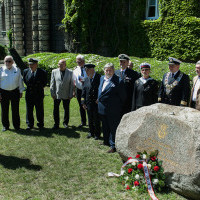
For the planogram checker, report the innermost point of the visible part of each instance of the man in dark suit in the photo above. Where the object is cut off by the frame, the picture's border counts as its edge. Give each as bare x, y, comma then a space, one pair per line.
35, 80
129, 77
89, 100
175, 87
145, 89
111, 97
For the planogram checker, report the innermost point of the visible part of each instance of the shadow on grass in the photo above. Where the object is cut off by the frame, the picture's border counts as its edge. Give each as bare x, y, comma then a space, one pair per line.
69, 132
48, 132
12, 162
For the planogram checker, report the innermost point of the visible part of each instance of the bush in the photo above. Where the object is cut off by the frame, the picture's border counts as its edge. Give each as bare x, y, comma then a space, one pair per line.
49, 61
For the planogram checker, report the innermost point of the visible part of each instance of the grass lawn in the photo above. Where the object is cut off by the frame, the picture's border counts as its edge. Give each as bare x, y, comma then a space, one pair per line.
61, 165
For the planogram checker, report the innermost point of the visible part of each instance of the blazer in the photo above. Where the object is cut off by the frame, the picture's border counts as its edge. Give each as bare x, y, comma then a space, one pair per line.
179, 90
197, 105
129, 78
35, 86
145, 94
90, 92
62, 89
112, 98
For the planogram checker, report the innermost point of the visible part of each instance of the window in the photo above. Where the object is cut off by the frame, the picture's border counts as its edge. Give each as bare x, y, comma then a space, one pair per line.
152, 11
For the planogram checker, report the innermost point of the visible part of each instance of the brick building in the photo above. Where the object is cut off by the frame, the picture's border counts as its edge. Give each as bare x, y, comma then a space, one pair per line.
35, 25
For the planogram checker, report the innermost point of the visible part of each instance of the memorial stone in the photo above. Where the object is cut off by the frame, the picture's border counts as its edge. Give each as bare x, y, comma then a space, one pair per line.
173, 131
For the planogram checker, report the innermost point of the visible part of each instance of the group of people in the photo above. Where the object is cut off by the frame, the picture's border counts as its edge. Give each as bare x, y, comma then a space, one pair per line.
105, 98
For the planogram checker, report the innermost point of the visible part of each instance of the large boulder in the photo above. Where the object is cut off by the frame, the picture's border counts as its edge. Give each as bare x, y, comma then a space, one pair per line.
173, 131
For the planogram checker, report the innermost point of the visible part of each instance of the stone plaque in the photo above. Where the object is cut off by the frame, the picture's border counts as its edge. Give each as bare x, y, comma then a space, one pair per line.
173, 131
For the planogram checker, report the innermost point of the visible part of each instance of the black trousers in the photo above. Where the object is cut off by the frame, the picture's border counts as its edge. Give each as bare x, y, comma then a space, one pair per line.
56, 111
82, 111
39, 107
94, 122
12, 96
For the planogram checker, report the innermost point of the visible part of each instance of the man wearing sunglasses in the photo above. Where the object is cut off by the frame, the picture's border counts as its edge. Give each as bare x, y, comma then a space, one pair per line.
11, 88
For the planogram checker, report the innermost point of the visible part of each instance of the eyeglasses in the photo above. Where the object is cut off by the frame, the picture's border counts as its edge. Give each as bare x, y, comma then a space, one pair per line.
9, 61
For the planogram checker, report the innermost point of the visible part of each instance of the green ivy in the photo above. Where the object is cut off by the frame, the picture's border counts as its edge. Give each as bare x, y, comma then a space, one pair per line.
111, 27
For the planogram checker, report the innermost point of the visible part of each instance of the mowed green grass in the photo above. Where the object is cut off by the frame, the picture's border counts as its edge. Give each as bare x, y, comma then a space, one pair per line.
60, 165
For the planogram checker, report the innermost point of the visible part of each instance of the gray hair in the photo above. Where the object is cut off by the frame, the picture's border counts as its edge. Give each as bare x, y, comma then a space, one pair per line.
81, 57
109, 65
198, 63
9, 57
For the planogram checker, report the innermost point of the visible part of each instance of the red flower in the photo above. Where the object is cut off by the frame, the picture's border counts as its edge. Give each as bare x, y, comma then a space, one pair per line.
153, 158
138, 156
140, 166
156, 168
129, 158
127, 188
136, 183
130, 170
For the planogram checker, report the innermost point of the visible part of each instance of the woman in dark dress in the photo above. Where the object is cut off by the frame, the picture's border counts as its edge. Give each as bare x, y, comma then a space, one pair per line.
145, 89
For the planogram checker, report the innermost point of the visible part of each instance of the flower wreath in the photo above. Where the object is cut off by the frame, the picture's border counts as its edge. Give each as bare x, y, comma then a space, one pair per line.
145, 173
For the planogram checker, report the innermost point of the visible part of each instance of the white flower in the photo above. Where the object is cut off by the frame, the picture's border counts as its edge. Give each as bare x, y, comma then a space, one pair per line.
126, 178
155, 181
137, 176
133, 163
144, 156
149, 166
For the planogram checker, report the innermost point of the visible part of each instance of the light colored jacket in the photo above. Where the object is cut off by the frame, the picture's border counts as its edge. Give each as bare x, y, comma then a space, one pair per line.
198, 94
62, 89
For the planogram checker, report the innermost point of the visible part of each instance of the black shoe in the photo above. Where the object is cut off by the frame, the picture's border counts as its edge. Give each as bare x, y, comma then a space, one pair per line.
81, 125
5, 129
17, 128
103, 143
29, 128
55, 127
112, 150
41, 128
65, 125
96, 138
89, 135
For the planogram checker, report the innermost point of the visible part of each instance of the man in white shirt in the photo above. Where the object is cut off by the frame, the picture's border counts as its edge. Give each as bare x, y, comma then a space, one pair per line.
11, 89
195, 93
79, 76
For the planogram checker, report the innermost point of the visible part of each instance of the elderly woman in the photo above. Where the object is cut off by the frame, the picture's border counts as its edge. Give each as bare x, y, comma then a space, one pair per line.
145, 89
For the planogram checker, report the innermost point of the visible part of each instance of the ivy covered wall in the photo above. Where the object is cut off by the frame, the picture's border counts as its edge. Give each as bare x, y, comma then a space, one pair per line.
110, 27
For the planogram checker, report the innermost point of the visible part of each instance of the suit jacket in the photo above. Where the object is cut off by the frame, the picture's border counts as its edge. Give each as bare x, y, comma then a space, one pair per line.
179, 90
129, 78
90, 92
35, 86
145, 94
112, 98
197, 106
61, 89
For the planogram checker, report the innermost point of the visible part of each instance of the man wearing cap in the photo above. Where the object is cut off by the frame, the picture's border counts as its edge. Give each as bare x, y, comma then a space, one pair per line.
129, 77
145, 89
195, 93
111, 97
89, 100
175, 86
61, 88
11, 88
79, 75
35, 80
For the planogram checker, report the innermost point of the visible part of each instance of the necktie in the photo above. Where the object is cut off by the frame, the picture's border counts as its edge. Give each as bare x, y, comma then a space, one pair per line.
82, 73
91, 80
172, 75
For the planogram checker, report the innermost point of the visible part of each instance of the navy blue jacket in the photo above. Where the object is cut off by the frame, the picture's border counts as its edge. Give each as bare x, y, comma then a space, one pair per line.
111, 100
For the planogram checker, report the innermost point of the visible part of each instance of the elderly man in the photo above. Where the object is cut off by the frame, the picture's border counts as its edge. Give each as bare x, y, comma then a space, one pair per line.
129, 77
11, 88
89, 100
195, 93
61, 88
111, 97
79, 75
35, 80
145, 89
175, 86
